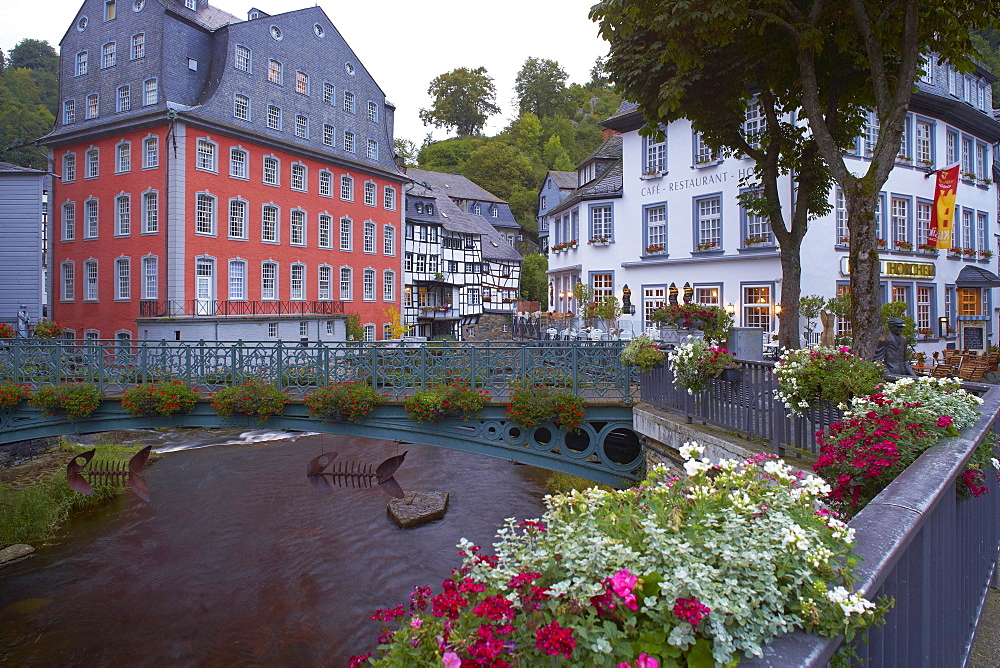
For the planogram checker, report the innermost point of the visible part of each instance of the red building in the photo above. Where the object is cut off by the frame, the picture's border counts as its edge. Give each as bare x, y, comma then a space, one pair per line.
210, 191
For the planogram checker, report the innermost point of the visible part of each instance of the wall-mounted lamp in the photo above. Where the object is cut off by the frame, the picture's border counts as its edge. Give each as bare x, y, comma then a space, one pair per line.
777, 309
562, 294
943, 326
731, 308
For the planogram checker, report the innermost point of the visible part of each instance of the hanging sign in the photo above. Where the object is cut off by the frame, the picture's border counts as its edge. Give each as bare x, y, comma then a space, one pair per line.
894, 269
943, 212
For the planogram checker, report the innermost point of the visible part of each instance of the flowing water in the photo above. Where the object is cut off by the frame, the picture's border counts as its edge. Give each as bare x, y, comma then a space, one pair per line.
238, 561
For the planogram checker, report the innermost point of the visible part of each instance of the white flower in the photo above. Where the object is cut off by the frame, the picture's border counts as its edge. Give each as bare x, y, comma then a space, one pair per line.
851, 604
695, 467
690, 450
796, 537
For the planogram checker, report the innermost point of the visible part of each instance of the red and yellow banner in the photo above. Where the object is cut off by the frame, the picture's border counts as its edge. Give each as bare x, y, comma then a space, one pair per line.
943, 213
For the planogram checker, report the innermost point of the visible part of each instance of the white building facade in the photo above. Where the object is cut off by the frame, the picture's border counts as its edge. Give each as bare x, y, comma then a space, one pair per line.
677, 220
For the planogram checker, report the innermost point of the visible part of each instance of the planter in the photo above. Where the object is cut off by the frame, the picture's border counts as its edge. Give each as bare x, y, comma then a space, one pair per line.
731, 374
600, 243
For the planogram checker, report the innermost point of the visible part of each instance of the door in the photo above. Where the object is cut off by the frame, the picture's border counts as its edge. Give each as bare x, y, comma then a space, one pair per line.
204, 288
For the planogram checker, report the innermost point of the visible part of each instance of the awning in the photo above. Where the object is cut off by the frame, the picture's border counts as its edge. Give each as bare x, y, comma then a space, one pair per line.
977, 277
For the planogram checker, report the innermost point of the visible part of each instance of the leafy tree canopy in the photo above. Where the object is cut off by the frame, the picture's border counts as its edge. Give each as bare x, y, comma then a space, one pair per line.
463, 99
23, 119
541, 87
33, 54
534, 281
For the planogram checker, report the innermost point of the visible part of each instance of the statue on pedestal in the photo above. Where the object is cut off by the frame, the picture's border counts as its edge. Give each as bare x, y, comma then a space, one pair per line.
891, 349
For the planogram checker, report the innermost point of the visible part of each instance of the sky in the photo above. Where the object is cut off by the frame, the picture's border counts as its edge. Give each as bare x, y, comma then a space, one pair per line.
406, 44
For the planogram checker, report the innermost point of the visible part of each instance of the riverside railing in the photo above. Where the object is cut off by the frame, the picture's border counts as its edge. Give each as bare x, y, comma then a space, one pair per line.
934, 553
590, 369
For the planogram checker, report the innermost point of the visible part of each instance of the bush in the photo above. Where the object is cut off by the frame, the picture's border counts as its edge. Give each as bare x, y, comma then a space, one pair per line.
445, 401
705, 569
808, 375
6, 331
641, 352
343, 401
695, 363
11, 395
252, 397
715, 321
74, 400
47, 329
159, 399
533, 405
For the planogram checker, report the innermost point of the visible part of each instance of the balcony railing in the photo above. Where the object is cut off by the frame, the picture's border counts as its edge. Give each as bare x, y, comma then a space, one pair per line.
212, 307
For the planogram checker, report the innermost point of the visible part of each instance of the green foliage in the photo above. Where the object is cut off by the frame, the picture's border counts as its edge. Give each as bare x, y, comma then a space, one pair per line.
355, 332
532, 405
407, 150
641, 352
541, 87
23, 118
696, 363
534, 280
343, 401
33, 54
463, 99
47, 329
252, 397
449, 155
74, 400
445, 402
165, 398
11, 395
500, 168
810, 307
835, 375
898, 310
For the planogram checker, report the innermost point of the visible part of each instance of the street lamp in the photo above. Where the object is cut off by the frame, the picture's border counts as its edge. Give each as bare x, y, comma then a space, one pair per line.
943, 326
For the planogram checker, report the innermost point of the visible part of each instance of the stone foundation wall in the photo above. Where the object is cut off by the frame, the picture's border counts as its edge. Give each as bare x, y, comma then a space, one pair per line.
491, 327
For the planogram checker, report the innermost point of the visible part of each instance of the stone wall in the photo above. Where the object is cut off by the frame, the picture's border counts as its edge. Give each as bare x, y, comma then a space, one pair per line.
491, 327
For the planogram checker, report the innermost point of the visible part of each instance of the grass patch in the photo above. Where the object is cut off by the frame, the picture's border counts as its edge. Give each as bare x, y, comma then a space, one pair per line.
561, 483
31, 514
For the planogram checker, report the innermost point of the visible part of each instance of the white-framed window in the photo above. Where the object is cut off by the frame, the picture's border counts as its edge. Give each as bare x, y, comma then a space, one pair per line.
325, 284
191, 4
237, 280
81, 63
69, 221
93, 163
348, 102
968, 168
709, 223
272, 330
923, 310
123, 215
150, 213
138, 46
372, 112
951, 147
301, 126
269, 224
329, 93
348, 141
387, 331
757, 227
297, 282
69, 167
150, 277
274, 72
346, 225
388, 240
600, 222
123, 157
302, 83
369, 238
346, 188
981, 227
298, 181
328, 135
871, 131
708, 294
237, 219
297, 227
967, 238
900, 214
923, 222
108, 55
243, 58
655, 156
204, 214
325, 225
368, 285
123, 279
93, 105
372, 149
389, 198
150, 92
494, 211
369, 193
388, 285
238, 163
69, 112
325, 183
924, 143
703, 153
271, 171
90, 219
68, 271
273, 117
90, 281
754, 123
205, 156
150, 152
843, 232
123, 99
269, 281
757, 306
345, 284
241, 107
369, 332
981, 162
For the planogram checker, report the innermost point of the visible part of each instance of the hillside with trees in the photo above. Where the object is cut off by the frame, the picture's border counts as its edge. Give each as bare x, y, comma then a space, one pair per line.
29, 97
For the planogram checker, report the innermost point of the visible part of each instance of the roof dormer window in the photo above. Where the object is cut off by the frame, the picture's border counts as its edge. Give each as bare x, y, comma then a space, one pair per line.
191, 4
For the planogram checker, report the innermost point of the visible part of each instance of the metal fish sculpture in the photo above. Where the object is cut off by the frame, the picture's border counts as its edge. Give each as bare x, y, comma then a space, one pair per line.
114, 472
354, 474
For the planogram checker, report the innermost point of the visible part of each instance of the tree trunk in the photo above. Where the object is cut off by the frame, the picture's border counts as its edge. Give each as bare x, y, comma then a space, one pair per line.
791, 286
866, 320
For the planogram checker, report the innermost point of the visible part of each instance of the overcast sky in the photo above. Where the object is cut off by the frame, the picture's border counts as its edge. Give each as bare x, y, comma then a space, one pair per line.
403, 44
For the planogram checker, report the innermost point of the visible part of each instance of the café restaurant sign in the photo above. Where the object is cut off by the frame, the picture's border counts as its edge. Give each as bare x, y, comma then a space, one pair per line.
896, 269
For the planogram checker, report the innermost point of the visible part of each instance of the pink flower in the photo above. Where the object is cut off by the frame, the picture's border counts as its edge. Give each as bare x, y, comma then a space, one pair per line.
416, 623
690, 610
646, 661
451, 660
622, 583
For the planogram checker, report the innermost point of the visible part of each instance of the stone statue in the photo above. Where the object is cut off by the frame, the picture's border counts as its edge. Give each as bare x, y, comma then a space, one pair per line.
23, 322
891, 350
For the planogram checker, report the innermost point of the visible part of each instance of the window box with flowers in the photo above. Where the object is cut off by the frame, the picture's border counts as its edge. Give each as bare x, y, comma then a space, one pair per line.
756, 240
445, 402
707, 246
253, 398
599, 241
927, 249
6, 331
926, 333
969, 252
11, 395
986, 183
47, 329
564, 246
642, 353
903, 246
654, 249
349, 401
713, 320
955, 251
844, 242
73, 400
880, 243
985, 254
531, 406
969, 177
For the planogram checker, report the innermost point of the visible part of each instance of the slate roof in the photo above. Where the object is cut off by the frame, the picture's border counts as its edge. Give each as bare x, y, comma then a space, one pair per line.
564, 180
7, 167
611, 148
971, 276
495, 247
627, 118
455, 185
206, 15
607, 183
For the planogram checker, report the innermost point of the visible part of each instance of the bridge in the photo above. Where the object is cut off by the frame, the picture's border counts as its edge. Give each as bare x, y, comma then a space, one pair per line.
605, 449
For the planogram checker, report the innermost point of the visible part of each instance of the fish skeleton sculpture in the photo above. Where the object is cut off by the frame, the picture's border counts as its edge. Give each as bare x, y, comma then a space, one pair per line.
353, 474
77, 474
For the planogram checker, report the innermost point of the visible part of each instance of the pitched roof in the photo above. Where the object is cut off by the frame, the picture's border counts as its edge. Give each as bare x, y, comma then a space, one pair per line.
563, 180
9, 167
455, 185
610, 148
206, 15
495, 247
607, 184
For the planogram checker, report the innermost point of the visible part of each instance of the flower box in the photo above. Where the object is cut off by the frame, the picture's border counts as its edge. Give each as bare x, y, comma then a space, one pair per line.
654, 249
731, 374
707, 245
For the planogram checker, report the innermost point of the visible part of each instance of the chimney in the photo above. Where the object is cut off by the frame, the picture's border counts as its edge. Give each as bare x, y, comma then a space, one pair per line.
608, 134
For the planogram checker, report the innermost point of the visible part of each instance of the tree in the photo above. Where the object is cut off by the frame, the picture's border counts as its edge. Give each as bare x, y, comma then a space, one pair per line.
463, 99
669, 58
534, 280
501, 169
449, 155
33, 54
23, 119
541, 87
406, 150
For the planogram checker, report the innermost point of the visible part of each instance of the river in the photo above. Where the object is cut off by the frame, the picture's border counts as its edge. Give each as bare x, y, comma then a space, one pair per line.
237, 560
